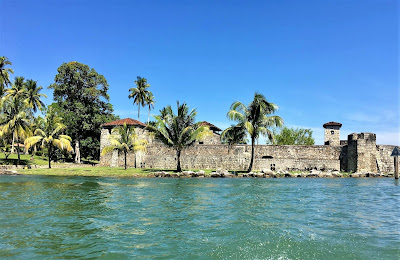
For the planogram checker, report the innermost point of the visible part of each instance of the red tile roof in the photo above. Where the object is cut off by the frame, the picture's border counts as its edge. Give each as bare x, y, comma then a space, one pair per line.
332, 124
127, 121
211, 126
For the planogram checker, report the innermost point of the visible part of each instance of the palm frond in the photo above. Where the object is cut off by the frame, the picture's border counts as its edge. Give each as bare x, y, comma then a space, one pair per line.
31, 141
107, 149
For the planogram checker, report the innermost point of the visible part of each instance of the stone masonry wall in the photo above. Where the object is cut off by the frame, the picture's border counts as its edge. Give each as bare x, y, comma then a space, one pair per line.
360, 155
385, 162
238, 157
332, 135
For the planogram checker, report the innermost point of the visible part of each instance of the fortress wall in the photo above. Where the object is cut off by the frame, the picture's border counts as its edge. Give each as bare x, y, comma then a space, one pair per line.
361, 154
384, 161
236, 158
297, 157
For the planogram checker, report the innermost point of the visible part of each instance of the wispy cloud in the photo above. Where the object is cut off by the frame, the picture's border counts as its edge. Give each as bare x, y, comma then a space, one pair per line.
374, 117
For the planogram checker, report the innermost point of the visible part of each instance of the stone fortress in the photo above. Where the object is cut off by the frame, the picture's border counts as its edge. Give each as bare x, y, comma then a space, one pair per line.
359, 153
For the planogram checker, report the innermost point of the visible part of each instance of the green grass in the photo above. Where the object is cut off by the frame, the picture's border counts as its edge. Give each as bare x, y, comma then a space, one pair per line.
25, 160
37, 160
96, 171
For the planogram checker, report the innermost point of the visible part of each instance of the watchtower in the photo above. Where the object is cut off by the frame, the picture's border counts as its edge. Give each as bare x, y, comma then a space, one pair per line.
332, 133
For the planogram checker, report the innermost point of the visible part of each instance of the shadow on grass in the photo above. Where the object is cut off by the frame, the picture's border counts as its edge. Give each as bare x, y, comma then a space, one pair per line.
14, 162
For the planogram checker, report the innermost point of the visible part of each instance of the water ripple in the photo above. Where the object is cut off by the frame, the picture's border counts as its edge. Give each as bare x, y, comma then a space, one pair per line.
110, 218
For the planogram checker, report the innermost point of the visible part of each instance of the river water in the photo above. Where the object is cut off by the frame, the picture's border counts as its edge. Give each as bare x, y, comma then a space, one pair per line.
45, 217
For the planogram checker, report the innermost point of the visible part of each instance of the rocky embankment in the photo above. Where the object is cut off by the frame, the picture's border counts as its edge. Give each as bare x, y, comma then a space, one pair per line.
8, 172
266, 174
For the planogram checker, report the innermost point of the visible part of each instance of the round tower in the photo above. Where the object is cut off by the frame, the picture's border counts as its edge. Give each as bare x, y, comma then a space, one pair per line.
332, 133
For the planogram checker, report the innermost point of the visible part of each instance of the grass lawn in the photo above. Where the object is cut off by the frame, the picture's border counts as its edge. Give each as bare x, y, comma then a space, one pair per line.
96, 171
25, 160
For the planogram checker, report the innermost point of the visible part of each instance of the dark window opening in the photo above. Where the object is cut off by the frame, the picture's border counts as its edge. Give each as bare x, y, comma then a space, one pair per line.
332, 132
326, 142
267, 157
273, 167
201, 142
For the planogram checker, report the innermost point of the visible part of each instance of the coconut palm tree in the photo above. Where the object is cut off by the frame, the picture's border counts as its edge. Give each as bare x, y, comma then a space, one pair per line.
125, 140
17, 90
15, 121
32, 95
51, 135
234, 135
150, 102
4, 74
178, 131
37, 123
256, 119
140, 93
13, 100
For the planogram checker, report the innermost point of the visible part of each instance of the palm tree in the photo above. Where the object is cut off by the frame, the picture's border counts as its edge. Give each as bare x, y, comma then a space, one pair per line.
4, 74
255, 119
178, 131
51, 135
4, 144
32, 96
17, 90
14, 121
37, 123
150, 102
234, 135
14, 96
124, 141
140, 93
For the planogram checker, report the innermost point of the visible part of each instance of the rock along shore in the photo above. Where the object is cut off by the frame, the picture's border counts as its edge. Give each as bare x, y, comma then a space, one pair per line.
265, 174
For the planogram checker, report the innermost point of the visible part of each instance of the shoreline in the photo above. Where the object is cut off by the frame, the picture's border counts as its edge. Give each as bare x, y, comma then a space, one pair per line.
158, 173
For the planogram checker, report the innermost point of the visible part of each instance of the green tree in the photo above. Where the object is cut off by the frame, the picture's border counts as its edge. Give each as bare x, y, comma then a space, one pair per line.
291, 136
14, 121
13, 105
82, 101
4, 75
178, 131
150, 103
38, 122
256, 119
125, 140
140, 93
234, 135
5, 144
17, 90
32, 95
51, 136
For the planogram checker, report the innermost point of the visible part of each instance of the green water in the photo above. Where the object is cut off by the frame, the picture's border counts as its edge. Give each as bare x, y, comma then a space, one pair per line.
125, 218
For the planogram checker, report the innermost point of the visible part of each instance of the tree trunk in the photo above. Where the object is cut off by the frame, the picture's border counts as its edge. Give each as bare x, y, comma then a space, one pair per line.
77, 152
252, 154
138, 112
125, 159
178, 155
148, 117
19, 159
49, 154
135, 161
12, 145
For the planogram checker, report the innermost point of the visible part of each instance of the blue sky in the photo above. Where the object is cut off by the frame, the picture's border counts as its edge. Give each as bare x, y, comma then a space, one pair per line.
320, 61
